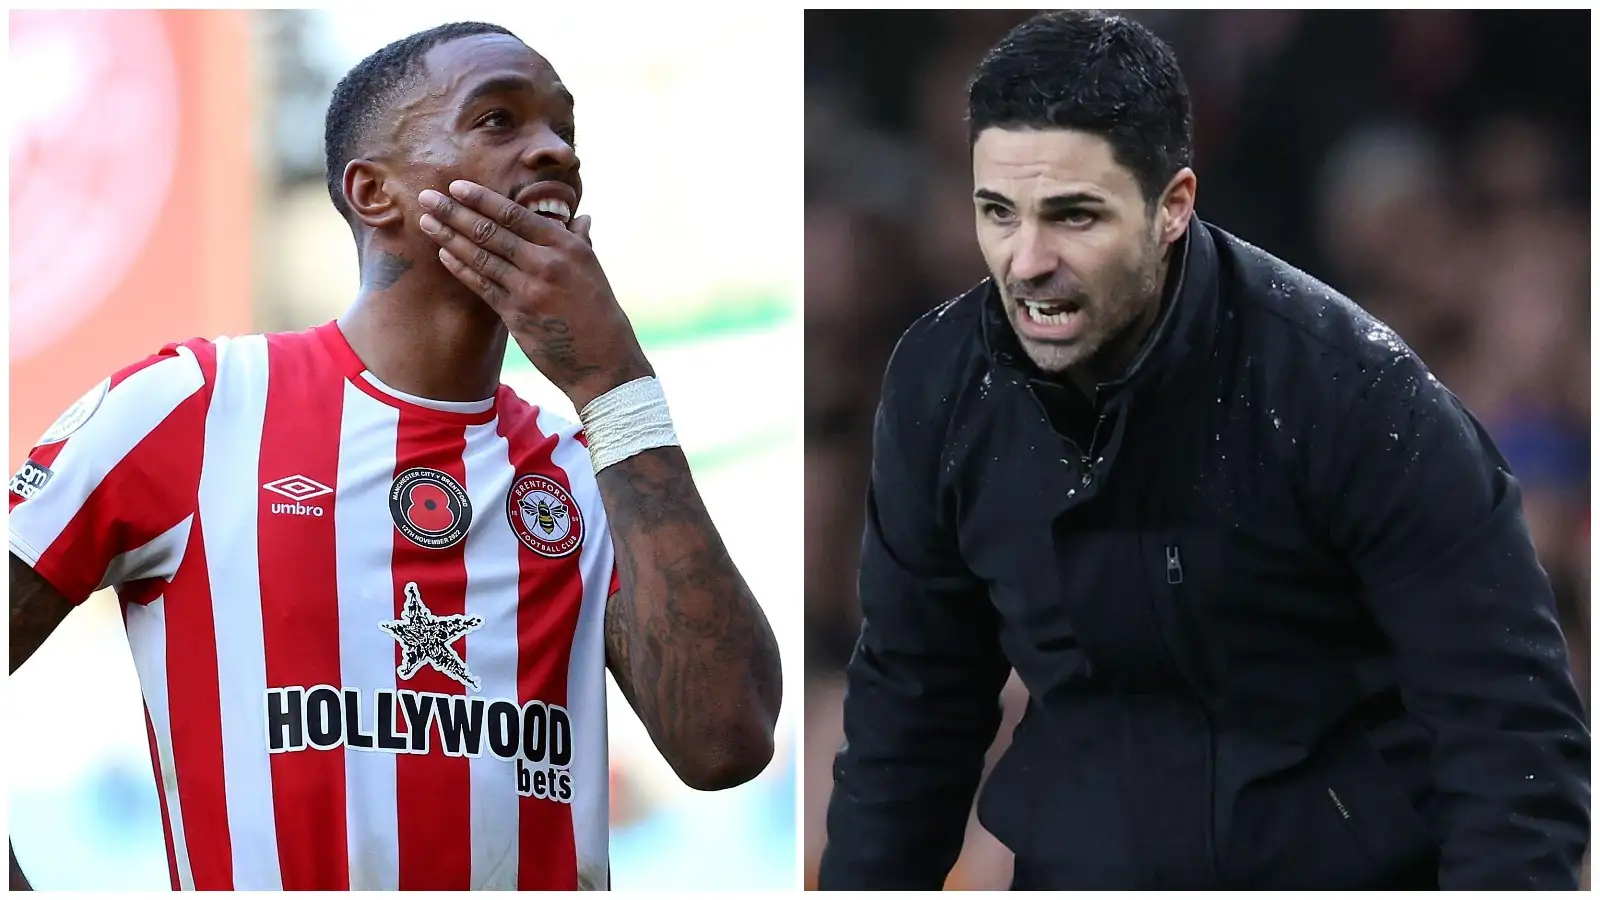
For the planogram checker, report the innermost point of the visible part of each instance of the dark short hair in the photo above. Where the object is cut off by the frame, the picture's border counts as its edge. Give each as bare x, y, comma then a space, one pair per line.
366, 96
1089, 71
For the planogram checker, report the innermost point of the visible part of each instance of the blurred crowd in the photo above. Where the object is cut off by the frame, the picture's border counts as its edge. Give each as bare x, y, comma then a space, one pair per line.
1432, 165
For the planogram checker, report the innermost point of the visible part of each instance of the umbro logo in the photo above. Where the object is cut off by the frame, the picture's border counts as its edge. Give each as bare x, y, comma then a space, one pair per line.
298, 488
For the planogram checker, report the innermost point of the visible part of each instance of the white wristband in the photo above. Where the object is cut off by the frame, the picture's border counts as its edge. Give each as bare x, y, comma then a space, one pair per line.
626, 421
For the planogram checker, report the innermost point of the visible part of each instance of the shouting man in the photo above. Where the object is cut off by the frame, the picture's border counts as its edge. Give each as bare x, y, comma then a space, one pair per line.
1266, 581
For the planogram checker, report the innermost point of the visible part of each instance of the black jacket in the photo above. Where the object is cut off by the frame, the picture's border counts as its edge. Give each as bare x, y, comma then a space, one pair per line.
1281, 625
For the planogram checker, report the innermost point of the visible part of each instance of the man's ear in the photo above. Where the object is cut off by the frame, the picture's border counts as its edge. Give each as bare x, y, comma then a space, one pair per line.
1177, 206
369, 192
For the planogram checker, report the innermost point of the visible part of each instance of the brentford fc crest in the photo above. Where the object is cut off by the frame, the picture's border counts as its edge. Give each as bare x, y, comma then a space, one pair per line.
544, 517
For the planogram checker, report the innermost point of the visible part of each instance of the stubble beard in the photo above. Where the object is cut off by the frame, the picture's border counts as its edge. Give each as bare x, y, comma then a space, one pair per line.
1111, 316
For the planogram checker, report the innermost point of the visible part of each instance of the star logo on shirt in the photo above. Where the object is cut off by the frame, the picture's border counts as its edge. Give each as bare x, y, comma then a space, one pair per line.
426, 638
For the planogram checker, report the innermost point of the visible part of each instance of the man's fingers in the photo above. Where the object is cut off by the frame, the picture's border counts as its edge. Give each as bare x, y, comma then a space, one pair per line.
481, 229
492, 292
580, 227
500, 210
472, 251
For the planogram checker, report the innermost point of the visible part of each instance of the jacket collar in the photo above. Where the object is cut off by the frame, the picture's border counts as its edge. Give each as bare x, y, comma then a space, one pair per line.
1181, 338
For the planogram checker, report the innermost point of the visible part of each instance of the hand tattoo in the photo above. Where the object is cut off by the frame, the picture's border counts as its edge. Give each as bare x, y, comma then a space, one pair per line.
557, 346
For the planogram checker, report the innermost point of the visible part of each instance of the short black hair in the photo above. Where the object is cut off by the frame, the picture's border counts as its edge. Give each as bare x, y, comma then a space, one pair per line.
366, 94
1089, 71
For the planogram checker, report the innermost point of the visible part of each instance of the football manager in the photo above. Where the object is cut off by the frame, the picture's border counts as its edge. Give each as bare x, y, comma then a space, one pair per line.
1266, 580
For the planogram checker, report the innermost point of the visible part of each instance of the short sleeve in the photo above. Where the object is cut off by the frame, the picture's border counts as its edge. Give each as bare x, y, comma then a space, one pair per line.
107, 494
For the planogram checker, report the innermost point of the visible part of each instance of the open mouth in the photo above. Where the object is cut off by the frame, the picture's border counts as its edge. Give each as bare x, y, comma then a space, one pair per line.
1051, 320
553, 209
1047, 312
552, 199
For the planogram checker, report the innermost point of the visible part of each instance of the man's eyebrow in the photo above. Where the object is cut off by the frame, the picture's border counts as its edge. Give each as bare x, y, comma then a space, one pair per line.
1053, 203
1070, 200
509, 84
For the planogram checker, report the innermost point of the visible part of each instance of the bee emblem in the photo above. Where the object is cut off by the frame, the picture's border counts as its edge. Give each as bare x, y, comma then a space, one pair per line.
544, 517
546, 511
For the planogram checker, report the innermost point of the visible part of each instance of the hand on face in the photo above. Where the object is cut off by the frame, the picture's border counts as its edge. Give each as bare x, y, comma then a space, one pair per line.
544, 281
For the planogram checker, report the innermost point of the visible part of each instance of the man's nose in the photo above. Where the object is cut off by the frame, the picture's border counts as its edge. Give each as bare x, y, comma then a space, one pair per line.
1033, 258
550, 153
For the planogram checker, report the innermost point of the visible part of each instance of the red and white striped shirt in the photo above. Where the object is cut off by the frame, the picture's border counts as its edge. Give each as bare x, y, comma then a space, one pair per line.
367, 626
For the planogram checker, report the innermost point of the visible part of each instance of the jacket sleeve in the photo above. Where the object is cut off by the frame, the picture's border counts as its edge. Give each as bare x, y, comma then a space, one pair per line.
923, 685
1431, 519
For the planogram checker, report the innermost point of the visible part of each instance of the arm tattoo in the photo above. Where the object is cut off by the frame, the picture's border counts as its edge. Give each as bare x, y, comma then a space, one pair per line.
685, 638
556, 345
386, 270
36, 609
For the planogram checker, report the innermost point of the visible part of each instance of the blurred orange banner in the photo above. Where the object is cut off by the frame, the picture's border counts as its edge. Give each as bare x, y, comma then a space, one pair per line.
131, 194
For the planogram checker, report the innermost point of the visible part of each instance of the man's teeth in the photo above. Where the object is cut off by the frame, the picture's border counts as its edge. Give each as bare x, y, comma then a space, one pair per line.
558, 208
1036, 312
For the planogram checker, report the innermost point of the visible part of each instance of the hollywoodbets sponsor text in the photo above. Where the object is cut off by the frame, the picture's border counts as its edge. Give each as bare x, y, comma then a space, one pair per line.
536, 736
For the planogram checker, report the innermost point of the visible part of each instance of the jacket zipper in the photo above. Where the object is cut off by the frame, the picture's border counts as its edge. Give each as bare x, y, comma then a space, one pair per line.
1083, 457
1174, 560
1350, 825
1094, 441
1339, 804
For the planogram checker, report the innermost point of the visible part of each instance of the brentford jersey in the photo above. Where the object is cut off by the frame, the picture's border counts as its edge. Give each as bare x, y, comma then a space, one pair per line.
367, 626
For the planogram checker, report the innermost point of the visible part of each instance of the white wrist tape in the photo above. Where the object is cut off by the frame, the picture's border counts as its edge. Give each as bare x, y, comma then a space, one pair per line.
626, 421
